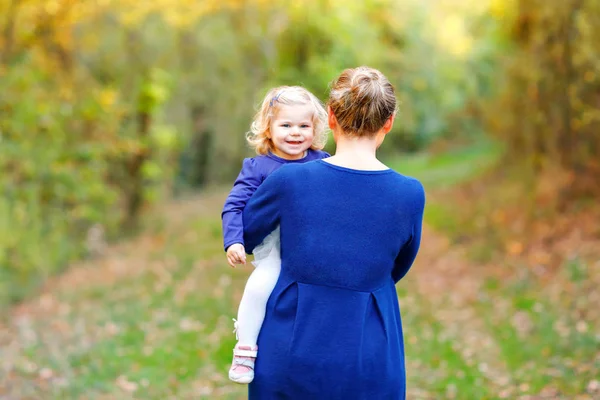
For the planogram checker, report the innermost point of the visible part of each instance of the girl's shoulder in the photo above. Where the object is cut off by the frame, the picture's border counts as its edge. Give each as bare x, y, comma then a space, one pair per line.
255, 167
256, 161
317, 154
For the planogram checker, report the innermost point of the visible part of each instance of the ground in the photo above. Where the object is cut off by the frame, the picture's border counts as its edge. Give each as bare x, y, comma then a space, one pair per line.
151, 319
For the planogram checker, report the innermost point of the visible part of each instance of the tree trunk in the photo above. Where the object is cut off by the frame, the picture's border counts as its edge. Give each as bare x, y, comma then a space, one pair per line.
202, 144
135, 199
8, 32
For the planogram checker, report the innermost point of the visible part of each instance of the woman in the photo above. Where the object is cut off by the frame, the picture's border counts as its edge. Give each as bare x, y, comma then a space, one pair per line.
350, 229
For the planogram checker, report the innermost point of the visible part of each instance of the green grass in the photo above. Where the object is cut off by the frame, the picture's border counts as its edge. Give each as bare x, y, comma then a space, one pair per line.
448, 169
544, 341
161, 331
433, 360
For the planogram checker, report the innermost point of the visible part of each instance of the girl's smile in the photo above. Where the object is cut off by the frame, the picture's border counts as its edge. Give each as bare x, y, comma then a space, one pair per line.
292, 130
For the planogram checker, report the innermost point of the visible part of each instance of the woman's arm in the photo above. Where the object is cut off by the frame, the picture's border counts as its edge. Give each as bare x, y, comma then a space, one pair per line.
409, 251
262, 213
407, 255
244, 187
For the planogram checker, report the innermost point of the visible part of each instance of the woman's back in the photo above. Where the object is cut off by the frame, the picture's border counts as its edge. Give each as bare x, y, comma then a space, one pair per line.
347, 226
333, 327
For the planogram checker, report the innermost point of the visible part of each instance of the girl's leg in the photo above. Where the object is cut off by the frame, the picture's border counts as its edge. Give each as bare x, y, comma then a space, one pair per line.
251, 312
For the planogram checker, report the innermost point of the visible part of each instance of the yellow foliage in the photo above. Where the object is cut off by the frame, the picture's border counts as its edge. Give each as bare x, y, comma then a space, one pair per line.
502, 9
51, 7
453, 35
107, 97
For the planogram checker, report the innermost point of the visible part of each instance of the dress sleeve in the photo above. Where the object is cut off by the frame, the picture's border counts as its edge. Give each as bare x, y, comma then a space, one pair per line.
409, 251
244, 187
262, 213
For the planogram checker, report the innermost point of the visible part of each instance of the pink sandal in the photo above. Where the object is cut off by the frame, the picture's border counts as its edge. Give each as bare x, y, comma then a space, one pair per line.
242, 367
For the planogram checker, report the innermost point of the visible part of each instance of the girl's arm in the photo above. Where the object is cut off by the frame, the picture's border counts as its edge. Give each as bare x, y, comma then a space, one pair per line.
244, 187
262, 213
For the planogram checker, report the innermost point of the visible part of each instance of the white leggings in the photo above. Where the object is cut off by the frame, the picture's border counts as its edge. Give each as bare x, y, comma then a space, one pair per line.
251, 312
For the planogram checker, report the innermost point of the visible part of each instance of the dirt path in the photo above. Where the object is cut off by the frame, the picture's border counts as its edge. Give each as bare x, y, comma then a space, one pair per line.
453, 286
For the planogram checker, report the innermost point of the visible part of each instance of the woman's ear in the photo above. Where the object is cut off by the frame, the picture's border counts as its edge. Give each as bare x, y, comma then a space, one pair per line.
387, 126
331, 120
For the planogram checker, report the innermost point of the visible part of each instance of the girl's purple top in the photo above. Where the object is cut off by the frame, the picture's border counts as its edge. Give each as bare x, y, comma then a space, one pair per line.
254, 171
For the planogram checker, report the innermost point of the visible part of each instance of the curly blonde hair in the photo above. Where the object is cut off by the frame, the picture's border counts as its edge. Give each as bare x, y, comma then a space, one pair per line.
362, 100
258, 137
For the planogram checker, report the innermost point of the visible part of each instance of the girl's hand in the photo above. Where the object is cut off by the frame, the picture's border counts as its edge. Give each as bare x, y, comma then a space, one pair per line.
236, 254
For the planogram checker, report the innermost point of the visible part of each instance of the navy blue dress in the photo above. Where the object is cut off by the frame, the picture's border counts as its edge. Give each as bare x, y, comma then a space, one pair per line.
254, 171
332, 328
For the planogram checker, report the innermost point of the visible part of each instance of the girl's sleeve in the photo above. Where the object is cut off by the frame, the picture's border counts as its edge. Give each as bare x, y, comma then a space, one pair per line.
409, 251
262, 213
244, 187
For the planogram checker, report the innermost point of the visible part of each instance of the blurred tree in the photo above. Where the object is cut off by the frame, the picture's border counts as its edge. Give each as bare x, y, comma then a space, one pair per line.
103, 104
548, 108
82, 95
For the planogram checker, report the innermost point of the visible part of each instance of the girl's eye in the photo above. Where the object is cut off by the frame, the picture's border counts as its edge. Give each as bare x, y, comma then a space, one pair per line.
286, 125
305, 126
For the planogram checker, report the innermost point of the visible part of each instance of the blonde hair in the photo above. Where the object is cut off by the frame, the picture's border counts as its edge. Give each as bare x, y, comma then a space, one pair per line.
258, 137
362, 100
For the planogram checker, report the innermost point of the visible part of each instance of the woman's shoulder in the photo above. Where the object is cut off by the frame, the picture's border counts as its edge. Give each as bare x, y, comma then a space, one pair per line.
292, 172
298, 168
409, 188
409, 181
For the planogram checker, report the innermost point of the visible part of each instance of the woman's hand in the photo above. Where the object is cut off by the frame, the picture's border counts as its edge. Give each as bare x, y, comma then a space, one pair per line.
236, 254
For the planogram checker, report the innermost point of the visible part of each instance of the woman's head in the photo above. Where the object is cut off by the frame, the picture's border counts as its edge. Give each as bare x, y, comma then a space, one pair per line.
289, 121
362, 100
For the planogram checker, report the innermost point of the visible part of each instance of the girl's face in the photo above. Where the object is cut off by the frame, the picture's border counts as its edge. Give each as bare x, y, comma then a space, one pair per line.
292, 130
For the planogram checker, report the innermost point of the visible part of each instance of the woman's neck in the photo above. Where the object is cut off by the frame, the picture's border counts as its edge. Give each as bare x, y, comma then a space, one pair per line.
356, 153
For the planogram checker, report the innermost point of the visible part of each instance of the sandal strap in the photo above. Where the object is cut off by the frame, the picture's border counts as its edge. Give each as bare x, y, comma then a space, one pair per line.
245, 353
246, 362
235, 328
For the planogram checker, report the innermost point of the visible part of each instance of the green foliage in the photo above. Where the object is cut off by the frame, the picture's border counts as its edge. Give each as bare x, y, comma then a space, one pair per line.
233, 57
103, 104
68, 143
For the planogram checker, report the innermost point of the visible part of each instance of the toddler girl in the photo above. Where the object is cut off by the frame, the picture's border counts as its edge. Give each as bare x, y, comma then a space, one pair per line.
288, 128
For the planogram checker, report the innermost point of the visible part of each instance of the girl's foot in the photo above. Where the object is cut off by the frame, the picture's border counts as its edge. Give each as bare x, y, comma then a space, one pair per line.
242, 367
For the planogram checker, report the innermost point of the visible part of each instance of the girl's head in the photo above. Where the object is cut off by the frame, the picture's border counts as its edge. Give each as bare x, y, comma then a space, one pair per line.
290, 121
362, 102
